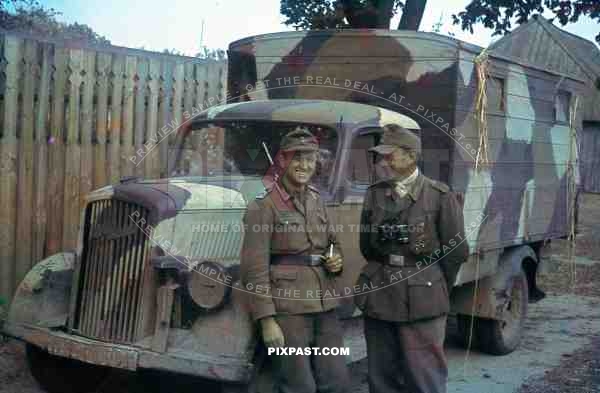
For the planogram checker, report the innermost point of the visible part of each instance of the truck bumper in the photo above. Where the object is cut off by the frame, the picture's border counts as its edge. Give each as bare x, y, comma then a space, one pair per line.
214, 367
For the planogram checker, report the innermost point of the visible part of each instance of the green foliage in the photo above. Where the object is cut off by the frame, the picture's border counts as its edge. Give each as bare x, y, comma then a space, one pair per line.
312, 14
337, 14
29, 16
499, 15
211, 54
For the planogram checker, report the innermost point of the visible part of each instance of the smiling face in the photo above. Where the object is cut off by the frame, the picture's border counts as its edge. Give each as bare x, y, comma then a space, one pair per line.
301, 168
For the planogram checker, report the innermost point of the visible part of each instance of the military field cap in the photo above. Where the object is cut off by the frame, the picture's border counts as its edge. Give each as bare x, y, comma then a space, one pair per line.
299, 139
395, 136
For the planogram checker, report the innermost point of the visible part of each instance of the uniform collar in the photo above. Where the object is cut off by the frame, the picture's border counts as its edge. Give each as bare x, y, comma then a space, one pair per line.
299, 195
410, 178
414, 187
414, 190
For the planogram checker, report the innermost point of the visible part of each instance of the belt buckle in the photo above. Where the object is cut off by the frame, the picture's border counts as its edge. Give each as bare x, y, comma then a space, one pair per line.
396, 260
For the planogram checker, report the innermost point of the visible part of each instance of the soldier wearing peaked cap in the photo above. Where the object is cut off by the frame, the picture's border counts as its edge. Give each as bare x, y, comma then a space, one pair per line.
413, 258
295, 258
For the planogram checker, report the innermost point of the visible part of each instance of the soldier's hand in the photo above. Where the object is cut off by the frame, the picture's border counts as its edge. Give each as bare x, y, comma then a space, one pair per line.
271, 332
333, 264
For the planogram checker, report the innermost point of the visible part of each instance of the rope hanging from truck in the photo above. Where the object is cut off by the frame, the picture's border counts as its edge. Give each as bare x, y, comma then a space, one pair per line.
473, 312
572, 186
481, 68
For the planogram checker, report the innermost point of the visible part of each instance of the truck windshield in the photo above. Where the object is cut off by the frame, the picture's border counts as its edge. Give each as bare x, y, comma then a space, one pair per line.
236, 148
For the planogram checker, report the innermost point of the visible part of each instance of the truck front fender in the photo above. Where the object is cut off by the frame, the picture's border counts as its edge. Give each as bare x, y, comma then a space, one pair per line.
43, 297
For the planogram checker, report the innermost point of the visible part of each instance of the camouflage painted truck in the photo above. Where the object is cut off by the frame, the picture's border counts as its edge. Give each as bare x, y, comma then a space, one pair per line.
154, 281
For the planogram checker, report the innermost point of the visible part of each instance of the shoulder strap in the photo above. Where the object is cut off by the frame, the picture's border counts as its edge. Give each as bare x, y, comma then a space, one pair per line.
443, 188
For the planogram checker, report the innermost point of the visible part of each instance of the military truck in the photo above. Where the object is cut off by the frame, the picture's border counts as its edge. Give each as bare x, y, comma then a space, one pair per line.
154, 281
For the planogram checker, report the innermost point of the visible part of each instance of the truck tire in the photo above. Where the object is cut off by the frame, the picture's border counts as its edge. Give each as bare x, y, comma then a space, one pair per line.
56, 374
500, 337
463, 327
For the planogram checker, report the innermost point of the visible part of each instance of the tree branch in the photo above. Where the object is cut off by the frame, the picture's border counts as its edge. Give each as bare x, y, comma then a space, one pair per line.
412, 15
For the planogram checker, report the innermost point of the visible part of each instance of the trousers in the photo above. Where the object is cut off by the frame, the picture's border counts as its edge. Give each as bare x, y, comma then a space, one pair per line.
406, 356
313, 373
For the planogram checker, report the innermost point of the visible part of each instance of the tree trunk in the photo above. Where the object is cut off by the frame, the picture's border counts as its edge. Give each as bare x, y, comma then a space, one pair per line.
412, 15
376, 14
384, 13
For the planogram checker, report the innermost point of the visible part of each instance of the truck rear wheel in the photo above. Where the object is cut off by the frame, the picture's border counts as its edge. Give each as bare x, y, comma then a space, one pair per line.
467, 337
502, 336
56, 374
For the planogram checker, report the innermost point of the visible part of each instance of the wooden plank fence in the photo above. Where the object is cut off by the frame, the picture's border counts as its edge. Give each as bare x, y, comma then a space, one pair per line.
71, 118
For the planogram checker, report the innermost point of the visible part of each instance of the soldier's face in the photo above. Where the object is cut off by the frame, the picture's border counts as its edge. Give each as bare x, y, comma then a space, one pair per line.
400, 159
301, 168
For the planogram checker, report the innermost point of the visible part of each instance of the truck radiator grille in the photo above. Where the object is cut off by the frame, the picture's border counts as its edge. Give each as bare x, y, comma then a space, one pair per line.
112, 271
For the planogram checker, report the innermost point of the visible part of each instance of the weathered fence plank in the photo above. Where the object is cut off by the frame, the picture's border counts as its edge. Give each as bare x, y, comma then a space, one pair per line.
140, 115
87, 126
151, 160
116, 102
201, 92
165, 113
56, 154
189, 91
41, 156
30, 72
72, 153
103, 64
178, 86
127, 168
8, 166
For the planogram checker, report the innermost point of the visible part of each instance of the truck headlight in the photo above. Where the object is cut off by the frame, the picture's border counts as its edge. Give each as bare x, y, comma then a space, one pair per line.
209, 285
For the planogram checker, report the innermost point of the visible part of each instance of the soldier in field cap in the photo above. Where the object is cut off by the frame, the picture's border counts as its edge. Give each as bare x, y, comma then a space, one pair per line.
296, 258
414, 247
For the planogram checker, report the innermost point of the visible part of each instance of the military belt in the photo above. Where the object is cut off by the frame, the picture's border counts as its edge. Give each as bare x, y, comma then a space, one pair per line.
302, 260
398, 261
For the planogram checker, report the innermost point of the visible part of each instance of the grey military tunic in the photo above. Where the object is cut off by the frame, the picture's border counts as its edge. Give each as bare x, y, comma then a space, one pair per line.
431, 250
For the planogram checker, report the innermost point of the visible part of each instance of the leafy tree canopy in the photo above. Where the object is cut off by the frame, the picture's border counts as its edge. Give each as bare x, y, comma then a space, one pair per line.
500, 14
29, 16
335, 14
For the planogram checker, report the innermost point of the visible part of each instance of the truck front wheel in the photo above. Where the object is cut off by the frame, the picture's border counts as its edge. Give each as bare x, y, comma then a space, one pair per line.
502, 336
61, 375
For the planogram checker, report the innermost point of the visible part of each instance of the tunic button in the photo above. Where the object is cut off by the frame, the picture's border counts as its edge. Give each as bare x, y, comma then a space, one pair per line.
429, 283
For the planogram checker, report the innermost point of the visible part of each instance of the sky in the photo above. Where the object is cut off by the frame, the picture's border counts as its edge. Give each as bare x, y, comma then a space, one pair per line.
187, 25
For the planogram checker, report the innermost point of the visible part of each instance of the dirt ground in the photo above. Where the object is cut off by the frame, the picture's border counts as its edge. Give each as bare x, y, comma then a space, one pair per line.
560, 351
